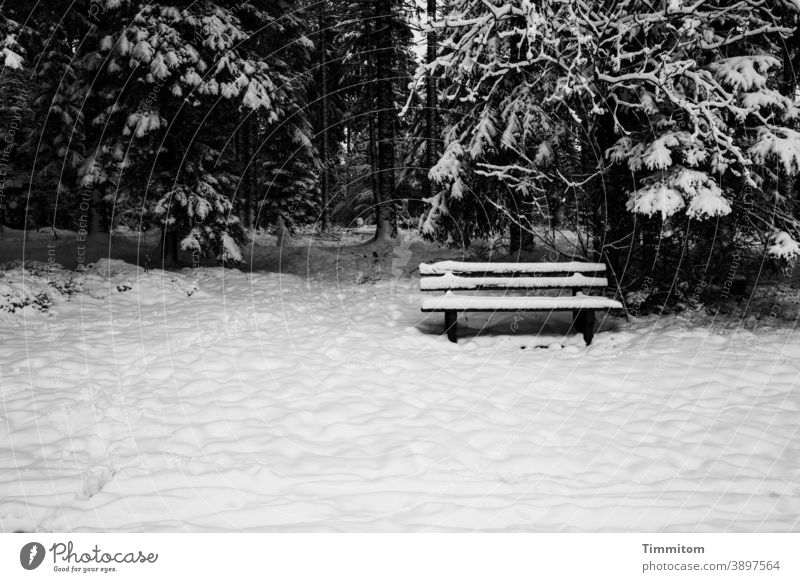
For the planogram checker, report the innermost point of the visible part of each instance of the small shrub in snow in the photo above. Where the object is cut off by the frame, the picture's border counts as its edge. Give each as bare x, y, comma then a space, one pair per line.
33, 292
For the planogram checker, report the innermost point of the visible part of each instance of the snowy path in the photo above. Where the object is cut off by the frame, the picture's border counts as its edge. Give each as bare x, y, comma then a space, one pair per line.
264, 403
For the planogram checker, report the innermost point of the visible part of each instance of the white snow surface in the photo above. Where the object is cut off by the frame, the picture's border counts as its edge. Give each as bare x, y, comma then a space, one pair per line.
212, 399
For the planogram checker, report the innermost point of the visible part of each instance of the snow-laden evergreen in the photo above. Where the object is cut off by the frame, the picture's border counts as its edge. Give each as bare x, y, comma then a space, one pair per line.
684, 96
172, 80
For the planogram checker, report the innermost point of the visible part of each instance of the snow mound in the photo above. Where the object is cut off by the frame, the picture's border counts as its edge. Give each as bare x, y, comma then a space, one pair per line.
41, 287
34, 286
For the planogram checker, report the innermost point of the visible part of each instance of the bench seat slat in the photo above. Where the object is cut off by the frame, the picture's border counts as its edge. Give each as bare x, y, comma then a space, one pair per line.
451, 281
443, 267
485, 303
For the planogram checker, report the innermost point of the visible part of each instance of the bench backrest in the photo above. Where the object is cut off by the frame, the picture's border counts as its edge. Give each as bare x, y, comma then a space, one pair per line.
455, 275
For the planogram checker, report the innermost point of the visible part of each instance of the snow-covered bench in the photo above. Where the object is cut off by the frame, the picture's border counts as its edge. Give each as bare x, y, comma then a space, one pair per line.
449, 276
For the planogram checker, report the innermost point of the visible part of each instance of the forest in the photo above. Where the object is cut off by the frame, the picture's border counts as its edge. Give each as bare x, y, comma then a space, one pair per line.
400, 266
661, 136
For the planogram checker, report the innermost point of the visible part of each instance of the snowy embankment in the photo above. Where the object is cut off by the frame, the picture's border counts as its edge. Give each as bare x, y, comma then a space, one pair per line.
214, 399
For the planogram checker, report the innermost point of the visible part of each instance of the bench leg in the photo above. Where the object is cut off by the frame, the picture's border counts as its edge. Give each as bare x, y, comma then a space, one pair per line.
578, 319
451, 325
588, 326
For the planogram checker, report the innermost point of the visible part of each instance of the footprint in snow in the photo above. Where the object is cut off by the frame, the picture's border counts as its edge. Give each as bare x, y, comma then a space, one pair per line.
95, 480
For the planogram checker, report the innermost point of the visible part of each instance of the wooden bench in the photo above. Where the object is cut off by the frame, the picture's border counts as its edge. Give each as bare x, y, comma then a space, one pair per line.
449, 276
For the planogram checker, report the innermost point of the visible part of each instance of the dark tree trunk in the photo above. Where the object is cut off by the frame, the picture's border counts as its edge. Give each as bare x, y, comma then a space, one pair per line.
324, 153
514, 239
281, 231
251, 195
430, 105
520, 240
347, 174
650, 228
240, 143
98, 220
386, 216
374, 177
170, 247
613, 226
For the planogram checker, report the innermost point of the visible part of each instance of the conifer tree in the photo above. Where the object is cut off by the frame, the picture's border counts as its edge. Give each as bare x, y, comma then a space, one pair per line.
377, 39
675, 106
286, 157
172, 81
15, 96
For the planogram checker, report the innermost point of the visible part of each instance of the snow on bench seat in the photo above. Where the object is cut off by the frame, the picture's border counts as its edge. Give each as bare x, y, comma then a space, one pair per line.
450, 302
443, 267
452, 281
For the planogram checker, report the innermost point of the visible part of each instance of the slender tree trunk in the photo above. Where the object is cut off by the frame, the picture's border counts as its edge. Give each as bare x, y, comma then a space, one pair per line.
240, 143
246, 142
514, 240
520, 240
374, 176
612, 225
591, 217
325, 183
347, 168
281, 231
520, 237
98, 220
169, 246
430, 105
386, 227
252, 174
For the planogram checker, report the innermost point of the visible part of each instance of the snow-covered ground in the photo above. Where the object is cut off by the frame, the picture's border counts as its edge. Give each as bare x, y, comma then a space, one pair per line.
213, 399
